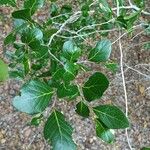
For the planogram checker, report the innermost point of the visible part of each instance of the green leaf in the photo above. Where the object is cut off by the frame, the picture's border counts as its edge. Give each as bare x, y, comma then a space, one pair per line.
59, 132
130, 19
95, 86
105, 4
68, 91
36, 120
33, 5
20, 25
22, 14
32, 36
112, 66
26, 65
17, 74
54, 9
70, 51
139, 3
35, 97
122, 22
105, 8
39, 51
101, 52
49, 32
145, 148
82, 109
85, 10
147, 29
10, 39
70, 71
66, 9
103, 132
3, 71
8, 2
111, 116
58, 74
147, 46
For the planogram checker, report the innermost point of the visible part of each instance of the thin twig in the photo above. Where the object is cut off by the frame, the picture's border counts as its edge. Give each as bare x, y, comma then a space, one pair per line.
70, 20
94, 25
124, 88
123, 79
134, 8
147, 76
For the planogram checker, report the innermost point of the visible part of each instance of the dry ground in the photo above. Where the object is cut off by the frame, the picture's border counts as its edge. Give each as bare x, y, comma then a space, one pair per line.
15, 134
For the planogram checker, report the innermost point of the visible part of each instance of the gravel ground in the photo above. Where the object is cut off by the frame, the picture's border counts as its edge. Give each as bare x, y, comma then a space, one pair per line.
16, 134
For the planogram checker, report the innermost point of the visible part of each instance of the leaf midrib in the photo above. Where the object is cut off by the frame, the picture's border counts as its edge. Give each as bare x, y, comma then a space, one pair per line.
109, 116
59, 128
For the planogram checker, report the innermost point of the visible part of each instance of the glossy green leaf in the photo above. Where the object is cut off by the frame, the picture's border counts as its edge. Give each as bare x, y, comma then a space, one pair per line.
82, 109
3, 71
103, 132
33, 5
111, 116
10, 39
32, 36
68, 91
95, 86
17, 74
58, 74
59, 132
39, 51
22, 14
20, 24
71, 51
35, 97
8, 2
101, 52
70, 71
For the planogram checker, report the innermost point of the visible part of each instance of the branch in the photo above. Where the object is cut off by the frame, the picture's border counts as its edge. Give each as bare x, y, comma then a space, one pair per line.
124, 88
123, 77
132, 7
94, 25
147, 76
70, 20
84, 35
121, 36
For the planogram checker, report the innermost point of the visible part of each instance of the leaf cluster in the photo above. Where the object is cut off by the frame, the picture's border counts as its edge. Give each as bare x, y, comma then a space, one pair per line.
48, 57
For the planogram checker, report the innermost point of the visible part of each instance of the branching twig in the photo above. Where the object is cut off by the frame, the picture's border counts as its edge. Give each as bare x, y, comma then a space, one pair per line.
70, 20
